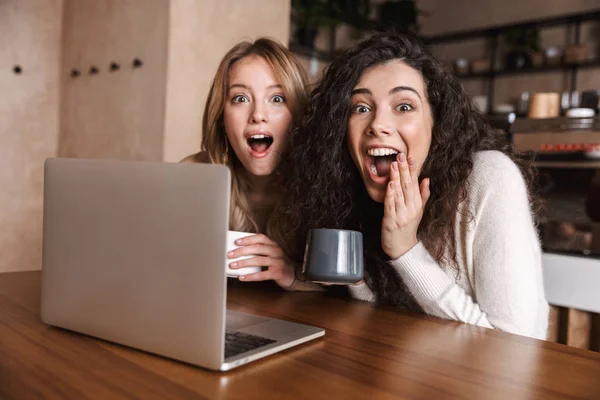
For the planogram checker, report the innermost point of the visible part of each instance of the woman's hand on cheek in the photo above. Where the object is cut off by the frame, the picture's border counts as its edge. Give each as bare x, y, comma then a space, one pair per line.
404, 202
266, 253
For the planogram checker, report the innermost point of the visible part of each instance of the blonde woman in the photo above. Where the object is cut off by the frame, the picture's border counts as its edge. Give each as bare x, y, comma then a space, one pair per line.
257, 96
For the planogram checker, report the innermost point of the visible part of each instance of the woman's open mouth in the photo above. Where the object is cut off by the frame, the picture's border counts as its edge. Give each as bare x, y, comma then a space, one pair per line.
259, 144
379, 161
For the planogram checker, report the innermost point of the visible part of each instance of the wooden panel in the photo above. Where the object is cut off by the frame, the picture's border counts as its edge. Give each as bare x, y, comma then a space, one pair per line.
117, 114
30, 39
579, 327
595, 333
553, 324
574, 328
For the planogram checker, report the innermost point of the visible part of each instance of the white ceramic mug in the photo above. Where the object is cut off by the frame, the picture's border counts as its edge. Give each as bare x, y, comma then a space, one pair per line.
232, 236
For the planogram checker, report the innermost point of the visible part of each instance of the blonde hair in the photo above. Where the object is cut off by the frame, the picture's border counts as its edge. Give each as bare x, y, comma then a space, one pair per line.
292, 79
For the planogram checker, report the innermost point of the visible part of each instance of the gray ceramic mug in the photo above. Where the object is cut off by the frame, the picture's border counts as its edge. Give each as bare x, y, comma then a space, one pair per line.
334, 256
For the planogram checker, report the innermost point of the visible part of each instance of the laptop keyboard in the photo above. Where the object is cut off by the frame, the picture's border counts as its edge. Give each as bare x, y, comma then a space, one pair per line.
238, 343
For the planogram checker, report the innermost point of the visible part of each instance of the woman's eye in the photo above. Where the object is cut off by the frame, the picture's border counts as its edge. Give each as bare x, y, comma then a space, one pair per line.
240, 99
278, 99
360, 109
404, 107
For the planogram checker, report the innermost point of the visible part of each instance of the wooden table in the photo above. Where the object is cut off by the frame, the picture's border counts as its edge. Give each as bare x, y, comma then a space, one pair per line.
367, 353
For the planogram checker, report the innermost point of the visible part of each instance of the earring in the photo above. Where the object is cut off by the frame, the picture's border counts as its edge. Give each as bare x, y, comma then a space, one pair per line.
226, 153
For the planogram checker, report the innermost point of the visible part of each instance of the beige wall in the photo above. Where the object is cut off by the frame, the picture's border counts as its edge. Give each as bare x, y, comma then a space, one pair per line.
29, 37
117, 114
201, 32
458, 15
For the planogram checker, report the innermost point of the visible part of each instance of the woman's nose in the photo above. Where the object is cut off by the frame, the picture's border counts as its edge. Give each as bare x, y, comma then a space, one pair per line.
259, 114
381, 124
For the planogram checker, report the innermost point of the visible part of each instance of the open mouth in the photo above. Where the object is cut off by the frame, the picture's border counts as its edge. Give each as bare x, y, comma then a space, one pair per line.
259, 144
379, 160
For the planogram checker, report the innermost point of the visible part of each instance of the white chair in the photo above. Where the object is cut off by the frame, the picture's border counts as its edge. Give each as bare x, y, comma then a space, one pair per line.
572, 285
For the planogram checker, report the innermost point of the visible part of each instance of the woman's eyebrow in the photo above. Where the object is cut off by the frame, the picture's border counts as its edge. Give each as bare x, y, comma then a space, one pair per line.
361, 91
392, 91
402, 88
241, 85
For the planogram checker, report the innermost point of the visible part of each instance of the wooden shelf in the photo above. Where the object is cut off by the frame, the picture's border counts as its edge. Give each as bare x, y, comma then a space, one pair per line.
496, 30
533, 70
591, 164
493, 35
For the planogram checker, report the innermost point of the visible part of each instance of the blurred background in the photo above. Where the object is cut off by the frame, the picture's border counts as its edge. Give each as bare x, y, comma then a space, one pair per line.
127, 79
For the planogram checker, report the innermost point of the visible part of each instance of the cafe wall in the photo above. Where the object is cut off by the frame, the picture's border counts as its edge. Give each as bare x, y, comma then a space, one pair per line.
30, 42
117, 113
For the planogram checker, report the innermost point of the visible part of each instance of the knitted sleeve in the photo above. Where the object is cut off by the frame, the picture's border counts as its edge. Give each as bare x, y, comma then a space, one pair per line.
504, 248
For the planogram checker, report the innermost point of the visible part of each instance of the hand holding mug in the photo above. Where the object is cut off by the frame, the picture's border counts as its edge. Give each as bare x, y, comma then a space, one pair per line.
257, 251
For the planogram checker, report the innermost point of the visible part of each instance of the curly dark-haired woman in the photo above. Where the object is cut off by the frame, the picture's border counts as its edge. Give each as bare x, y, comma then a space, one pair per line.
391, 145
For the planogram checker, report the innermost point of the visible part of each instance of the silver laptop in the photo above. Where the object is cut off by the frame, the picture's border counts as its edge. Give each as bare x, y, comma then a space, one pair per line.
134, 253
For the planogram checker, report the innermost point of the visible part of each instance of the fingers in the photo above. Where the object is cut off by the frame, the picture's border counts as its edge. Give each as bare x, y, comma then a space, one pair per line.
274, 272
267, 253
256, 249
406, 180
258, 276
258, 261
424, 190
414, 171
389, 203
414, 175
394, 172
399, 199
255, 239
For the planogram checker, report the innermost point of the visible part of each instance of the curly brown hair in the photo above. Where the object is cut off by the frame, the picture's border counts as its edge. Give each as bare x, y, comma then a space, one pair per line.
323, 187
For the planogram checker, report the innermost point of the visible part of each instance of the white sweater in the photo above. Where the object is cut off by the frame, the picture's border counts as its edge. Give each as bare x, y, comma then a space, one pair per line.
500, 284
